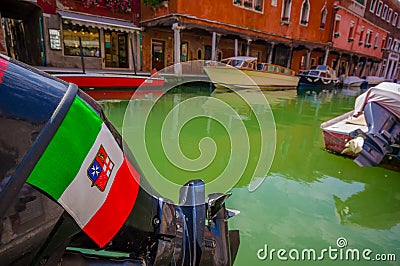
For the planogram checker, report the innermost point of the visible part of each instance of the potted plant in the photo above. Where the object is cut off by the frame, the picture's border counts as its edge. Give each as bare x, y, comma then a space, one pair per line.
336, 34
247, 4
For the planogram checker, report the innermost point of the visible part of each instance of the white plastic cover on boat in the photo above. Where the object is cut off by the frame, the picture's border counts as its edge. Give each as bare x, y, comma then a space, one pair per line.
385, 94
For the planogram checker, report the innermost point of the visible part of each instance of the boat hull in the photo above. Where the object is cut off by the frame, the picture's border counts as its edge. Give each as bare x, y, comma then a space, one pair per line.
121, 87
232, 78
307, 81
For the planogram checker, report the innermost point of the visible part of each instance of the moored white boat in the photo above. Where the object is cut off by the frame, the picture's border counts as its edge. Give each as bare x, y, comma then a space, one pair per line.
245, 72
353, 81
319, 76
371, 132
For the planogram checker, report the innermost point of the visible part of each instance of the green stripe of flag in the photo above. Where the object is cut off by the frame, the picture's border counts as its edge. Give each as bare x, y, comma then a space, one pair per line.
63, 157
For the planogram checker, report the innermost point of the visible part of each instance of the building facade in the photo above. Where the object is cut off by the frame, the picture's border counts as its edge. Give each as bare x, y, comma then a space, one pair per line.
385, 14
105, 32
358, 40
280, 32
355, 37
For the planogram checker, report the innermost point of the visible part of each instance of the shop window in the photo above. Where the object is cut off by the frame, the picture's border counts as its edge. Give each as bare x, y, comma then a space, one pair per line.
89, 38
384, 13
379, 8
116, 49
287, 6
389, 16
184, 51
305, 12
324, 14
395, 16
373, 5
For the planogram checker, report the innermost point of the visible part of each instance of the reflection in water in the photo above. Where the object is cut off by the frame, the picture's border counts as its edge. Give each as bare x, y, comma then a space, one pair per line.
310, 197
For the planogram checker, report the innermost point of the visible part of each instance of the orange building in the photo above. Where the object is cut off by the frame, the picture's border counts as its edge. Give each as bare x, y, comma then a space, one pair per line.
282, 32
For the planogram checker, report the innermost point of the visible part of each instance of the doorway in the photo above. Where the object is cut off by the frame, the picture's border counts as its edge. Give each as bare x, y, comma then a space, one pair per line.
157, 57
116, 49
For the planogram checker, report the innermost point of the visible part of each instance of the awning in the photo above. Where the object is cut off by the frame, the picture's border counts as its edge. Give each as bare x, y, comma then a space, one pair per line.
98, 22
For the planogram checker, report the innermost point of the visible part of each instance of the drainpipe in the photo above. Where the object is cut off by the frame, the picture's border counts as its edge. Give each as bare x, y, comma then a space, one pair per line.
42, 47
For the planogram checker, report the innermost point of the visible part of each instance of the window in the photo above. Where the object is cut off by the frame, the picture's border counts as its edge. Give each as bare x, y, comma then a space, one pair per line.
324, 13
379, 8
385, 8
287, 6
376, 41
395, 19
248, 3
389, 16
256, 5
336, 33
389, 43
368, 38
373, 5
89, 38
383, 43
360, 41
351, 32
305, 12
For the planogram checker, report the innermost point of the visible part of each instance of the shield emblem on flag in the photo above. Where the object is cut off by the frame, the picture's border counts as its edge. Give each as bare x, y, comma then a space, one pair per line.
100, 169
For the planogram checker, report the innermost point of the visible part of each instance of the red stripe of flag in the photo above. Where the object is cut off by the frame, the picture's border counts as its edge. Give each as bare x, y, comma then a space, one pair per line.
3, 68
121, 198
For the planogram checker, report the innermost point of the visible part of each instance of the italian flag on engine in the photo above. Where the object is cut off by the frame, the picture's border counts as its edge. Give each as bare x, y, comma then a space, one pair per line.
85, 170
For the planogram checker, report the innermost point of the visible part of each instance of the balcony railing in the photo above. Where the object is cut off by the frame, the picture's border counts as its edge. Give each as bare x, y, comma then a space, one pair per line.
357, 8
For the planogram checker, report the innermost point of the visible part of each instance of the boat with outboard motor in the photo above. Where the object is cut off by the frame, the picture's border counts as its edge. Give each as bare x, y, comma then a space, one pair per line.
371, 132
72, 193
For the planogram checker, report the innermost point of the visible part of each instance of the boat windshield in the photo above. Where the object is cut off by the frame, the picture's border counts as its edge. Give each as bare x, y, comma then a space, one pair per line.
313, 73
235, 62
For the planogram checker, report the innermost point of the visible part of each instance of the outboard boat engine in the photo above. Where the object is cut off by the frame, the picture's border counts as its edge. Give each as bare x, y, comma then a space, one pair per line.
382, 138
381, 144
39, 225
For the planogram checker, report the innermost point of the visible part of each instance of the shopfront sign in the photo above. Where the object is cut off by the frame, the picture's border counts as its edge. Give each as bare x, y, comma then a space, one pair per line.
55, 39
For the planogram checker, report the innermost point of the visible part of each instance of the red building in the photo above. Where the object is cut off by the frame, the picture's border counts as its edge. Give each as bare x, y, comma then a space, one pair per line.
281, 32
358, 41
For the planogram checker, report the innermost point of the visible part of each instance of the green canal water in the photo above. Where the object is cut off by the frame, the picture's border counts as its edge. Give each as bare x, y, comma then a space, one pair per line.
308, 199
